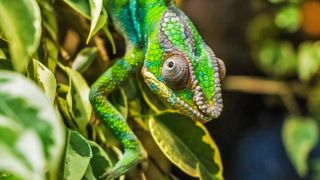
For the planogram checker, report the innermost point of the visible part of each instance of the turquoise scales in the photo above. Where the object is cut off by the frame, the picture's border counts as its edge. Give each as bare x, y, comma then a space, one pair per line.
175, 62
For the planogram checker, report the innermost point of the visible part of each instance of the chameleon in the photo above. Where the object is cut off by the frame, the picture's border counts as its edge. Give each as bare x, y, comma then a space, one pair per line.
175, 63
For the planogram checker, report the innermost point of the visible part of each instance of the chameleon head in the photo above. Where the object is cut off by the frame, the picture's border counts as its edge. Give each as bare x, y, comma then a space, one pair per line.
182, 69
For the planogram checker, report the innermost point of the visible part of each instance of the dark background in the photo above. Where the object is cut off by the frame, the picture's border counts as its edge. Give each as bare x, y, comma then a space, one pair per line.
249, 131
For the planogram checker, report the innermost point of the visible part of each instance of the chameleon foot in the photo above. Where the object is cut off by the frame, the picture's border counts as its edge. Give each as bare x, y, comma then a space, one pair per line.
130, 159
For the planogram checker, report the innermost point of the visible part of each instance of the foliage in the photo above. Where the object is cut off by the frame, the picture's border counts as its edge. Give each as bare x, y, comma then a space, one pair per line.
286, 47
300, 135
194, 155
50, 52
32, 139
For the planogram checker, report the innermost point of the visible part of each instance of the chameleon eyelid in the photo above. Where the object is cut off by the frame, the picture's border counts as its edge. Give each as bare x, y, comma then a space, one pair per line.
177, 75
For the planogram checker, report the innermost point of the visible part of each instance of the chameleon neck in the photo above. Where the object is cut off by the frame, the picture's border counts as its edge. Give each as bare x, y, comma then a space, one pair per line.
137, 19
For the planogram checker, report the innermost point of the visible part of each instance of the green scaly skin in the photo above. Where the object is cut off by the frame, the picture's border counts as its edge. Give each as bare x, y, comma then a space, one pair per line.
175, 62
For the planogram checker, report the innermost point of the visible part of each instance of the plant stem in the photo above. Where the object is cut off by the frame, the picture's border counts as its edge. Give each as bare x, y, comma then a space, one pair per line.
257, 85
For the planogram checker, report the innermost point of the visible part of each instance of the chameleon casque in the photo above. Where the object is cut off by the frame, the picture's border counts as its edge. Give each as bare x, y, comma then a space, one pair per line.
175, 62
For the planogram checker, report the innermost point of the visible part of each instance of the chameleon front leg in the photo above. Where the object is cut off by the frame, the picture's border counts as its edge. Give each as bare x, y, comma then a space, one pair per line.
111, 117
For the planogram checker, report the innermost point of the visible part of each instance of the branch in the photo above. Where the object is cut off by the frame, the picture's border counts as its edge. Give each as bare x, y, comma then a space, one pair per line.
256, 85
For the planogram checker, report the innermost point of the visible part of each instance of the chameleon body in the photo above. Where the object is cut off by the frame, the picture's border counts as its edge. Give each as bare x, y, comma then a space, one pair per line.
174, 61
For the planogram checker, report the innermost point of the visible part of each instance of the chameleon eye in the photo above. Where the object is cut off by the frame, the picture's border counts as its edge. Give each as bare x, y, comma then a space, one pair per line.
175, 72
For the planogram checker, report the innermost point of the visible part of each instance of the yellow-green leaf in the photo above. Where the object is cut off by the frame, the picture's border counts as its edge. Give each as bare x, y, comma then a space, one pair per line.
45, 79
289, 18
52, 55
110, 38
5, 64
84, 59
300, 136
2, 54
99, 163
278, 58
77, 99
98, 17
93, 10
187, 144
81, 6
308, 60
66, 114
49, 19
21, 24
78, 155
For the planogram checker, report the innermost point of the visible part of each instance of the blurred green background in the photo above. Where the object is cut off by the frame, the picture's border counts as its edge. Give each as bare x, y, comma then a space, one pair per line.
271, 49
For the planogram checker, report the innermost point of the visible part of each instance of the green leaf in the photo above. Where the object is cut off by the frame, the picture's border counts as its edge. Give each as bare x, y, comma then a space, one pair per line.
260, 29
90, 9
78, 155
110, 38
308, 60
300, 136
289, 18
2, 36
89, 174
21, 24
5, 64
6, 176
84, 59
193, 152
77, 99
49, 19
31, 134
52, 55
93, 10
278, 58
45, 79
64, 110
81, 6
99, 163
2, 54
24, 161
98, 17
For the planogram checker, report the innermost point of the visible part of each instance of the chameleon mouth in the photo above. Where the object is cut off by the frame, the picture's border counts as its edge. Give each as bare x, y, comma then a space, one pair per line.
192, 111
